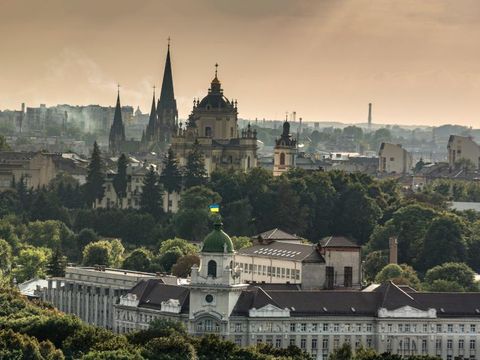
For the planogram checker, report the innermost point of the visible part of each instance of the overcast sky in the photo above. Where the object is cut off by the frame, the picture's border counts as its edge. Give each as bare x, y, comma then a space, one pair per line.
418, 62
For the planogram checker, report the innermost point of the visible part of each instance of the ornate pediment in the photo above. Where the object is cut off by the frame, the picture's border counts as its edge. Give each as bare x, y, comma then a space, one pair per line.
269, 310
171, 306
407, 312
129, 300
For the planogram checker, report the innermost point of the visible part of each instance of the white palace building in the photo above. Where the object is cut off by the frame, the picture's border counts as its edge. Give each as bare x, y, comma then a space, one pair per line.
283, 292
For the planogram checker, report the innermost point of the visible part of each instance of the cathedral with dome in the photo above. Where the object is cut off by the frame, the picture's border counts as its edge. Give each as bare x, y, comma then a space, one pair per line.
212, 127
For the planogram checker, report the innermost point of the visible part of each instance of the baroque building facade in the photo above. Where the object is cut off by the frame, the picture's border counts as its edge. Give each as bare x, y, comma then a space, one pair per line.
213, 127
387, 318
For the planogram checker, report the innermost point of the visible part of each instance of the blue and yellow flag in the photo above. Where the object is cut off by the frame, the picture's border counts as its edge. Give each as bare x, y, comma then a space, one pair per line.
214, 208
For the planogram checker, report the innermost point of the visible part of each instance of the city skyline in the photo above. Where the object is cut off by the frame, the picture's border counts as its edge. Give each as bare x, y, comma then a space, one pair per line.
416, 62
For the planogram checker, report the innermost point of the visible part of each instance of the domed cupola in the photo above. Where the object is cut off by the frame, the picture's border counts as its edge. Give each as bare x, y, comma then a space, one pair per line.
215, 100
217, 241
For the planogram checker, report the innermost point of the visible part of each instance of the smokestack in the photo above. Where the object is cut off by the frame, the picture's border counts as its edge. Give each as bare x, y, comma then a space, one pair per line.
369, 115
393, 250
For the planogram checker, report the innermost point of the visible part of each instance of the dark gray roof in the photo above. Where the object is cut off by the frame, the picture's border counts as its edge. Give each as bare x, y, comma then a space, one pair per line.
284, 250
311, 303
337, 241
278, 234
152, 292
357, 303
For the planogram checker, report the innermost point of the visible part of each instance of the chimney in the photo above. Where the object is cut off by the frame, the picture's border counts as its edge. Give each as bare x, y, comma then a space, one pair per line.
369, 115
393, 250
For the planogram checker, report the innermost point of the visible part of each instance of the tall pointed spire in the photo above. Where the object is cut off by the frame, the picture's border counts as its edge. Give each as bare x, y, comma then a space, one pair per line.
167, 94
167, 113
117, 130
150, 134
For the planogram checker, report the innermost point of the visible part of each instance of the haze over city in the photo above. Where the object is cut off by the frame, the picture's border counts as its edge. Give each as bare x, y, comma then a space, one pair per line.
326, 60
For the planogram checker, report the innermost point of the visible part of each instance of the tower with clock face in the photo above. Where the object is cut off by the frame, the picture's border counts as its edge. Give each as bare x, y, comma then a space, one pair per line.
215, 285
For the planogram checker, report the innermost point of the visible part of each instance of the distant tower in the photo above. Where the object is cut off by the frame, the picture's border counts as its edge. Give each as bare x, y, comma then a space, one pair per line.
152, 122
369, 116
285, 151
117, 131
167, 113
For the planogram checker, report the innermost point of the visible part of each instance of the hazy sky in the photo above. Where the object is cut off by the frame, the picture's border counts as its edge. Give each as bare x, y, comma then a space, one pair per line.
417, 61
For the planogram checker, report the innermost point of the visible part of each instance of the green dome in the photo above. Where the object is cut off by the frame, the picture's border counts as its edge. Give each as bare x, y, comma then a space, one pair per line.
217, 241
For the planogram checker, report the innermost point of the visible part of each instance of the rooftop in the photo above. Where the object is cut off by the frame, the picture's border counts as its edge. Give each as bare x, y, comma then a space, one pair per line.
338, 241
284, 250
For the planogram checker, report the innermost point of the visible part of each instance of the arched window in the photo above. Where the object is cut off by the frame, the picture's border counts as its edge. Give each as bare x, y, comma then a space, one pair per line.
248, 162
208, 131
230, 159
282, 158
212, 269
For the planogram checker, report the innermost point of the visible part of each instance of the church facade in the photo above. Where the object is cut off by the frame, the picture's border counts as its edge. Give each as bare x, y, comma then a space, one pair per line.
213, 127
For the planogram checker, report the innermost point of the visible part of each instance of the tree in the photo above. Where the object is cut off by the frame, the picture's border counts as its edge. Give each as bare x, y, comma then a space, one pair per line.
409, 225
120, 179
374, 263
151, 197
285, 201
31, 263
157, 328
94, 189
57, 264
138, 260
47, 207
441, 285
213, 347
443, 242
117, 252
357, 213
184, 246
122, 354
98, 253
240, 242
49, 233
399, 274
192, 219
344, 352
183, 266
195, 173
85, 237
5, 257
170, 177
459, 273
168, 259
169, 348
9, 203
14, 345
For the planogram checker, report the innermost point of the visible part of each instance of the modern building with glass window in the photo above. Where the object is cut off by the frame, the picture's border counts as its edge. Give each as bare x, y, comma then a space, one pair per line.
282, 311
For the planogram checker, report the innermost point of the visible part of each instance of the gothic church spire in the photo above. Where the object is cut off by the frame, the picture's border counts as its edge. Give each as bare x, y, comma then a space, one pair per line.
117, 130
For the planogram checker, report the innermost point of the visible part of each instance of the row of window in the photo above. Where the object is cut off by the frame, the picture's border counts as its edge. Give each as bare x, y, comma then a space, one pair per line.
472, 344
274, 271
310, 327
358, 327
315, 344
326, 327
433, 328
